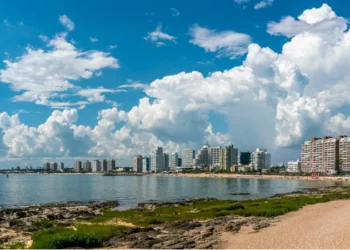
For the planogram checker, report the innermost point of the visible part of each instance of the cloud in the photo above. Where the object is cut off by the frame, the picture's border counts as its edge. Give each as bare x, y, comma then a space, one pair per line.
93, 39
263, 4
95, 95
66, 22
159, 37
41, 74
175, 12
317, 20
241, 1
7, 23
225, 43
112, 46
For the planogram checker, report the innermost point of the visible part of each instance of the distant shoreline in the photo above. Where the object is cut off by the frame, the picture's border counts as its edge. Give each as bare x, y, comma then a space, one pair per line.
207, 175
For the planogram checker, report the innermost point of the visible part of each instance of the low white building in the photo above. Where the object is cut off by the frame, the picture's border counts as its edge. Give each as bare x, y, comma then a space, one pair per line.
294, 166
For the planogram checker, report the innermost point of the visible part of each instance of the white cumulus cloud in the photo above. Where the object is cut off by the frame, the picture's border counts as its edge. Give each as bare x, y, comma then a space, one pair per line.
66, 22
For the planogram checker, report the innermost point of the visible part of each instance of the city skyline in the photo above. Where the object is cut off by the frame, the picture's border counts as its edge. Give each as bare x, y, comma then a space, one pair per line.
254, 76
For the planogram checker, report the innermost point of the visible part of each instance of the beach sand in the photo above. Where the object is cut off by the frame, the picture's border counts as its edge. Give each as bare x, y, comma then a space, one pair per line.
324, 225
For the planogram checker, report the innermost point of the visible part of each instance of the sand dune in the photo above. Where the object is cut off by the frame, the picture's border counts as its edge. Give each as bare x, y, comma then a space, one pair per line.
324, 225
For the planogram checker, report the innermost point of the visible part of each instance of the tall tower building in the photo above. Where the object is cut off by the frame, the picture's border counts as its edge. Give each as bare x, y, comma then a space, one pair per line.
137, 164
166, 161
245, 158
110, 165
77, 167
214, 157
202, 158
145, 164
174, 158
157, 160
344, 154
187, 158
228, 157
87, 166
96, 166
261, 159
104, 166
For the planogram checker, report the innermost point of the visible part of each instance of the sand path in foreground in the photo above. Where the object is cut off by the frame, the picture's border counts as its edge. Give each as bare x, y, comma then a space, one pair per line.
325, 225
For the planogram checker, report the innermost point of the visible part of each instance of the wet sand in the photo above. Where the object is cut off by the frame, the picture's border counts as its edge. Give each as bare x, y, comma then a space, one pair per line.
324, 225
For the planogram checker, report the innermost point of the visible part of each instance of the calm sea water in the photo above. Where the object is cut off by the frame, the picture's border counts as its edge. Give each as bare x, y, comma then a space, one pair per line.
20, 190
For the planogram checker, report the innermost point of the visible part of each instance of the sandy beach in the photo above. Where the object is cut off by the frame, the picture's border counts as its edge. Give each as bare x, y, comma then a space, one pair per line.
319, 178
324, 225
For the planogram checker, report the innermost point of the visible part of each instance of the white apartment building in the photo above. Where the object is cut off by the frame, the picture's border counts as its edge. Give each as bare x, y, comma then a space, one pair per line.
202, 158
187, 158
96, 166
306, 157
137, 164
157, 160
294, 166
60, 167
228, 157
261, 159
145, 164
214, 157
174, 159
344, 154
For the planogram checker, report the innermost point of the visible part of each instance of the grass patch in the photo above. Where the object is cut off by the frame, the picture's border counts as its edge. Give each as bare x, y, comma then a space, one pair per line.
44, 224
18, 245
269, 207
86, 236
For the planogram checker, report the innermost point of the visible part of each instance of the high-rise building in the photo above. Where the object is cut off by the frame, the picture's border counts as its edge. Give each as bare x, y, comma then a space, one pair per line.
174, 161
145, 164
53, 166
320, 155
77, 167
166, 161
214, 157
344, 154
104, 166
46, 166
179, 162
294, 166
228, 157
202, 158
60, 167
187, 158
157, 160
245, 158
96, 166
261, 159
110, 165
137, 164
87, 166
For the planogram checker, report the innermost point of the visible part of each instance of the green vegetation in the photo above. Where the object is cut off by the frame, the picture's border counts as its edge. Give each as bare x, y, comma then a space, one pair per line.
97, 231
85, 236
210, 209
18, 245
44, 224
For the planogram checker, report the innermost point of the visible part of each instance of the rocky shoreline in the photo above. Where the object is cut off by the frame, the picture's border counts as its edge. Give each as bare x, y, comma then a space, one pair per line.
18, 224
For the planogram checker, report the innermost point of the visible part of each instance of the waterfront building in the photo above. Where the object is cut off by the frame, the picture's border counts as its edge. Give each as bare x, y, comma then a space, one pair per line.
294, 166
202, 158
87, 166
320, 155
46, 166
104, 166
157, 160
187, 158
261, 159
174, 161
344, 154
214, 157
179, 162
53, 166
77, 167
145, 164
137, 164
95, 166
228, 157
166, 161
60, 167
245, 158
110, 165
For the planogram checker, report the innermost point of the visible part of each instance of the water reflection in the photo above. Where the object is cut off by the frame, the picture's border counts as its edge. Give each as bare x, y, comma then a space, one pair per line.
130, 190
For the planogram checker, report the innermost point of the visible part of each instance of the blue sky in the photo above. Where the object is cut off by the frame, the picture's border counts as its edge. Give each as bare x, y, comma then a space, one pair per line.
116, 41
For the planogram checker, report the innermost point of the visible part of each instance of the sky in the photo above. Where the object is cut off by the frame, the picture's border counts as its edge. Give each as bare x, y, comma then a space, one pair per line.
114, 79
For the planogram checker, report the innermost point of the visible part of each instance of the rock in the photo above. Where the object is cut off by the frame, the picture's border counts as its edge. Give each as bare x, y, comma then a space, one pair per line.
240, 193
